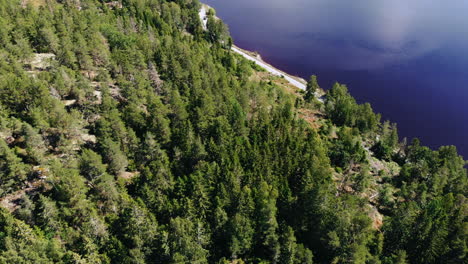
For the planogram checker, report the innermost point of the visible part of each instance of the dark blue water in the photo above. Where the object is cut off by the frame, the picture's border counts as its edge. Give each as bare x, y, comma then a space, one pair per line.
409, 59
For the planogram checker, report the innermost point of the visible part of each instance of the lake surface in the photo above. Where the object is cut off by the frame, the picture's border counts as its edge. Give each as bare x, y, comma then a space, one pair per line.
409, 59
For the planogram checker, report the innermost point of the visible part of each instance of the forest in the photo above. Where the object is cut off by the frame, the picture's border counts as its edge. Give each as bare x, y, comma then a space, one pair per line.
129, 134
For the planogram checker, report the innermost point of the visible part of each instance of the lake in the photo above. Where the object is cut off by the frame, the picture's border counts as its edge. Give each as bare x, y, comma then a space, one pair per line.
409, 59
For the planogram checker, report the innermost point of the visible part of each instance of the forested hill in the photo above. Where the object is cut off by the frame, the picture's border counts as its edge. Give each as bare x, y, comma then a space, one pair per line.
129, 134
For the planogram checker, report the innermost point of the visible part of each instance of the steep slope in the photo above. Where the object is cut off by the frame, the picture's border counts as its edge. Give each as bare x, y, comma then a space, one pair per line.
129, 134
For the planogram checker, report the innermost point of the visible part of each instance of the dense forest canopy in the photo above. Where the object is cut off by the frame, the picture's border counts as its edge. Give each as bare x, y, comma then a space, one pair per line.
129, 134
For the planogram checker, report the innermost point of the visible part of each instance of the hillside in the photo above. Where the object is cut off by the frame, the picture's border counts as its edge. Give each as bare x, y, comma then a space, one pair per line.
129, 133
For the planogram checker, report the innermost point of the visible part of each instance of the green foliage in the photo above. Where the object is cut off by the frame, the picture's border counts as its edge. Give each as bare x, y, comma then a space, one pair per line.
186, 239
11, 169
114, 156
34, 143
311, 89
145, 141
344, 111
22, 244
346, 149
385, 146
218, 31
91, 165
267, 225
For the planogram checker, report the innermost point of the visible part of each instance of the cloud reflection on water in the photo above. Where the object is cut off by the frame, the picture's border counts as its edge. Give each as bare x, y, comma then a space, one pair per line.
372, 34
383, 32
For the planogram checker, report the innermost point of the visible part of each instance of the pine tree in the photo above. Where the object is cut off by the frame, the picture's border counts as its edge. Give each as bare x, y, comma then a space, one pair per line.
311, 89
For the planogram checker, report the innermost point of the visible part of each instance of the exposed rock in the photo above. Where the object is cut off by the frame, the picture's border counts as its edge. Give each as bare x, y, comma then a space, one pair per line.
98, 95
69, 102
54, 93
93, 118
377, 218
34, 3
114, 5
12, 201
40, 172
10, 140
91, 75
348, 189
41, 61
202, 13
7, 137
114, 91
373, 196
88, 138
95, 85
129, 175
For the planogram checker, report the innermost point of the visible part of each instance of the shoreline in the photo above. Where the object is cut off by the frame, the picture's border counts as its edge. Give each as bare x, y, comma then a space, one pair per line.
296, 81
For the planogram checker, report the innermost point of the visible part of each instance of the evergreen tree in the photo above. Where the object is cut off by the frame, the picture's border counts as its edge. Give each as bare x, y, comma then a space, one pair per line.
139, 137
311, 89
